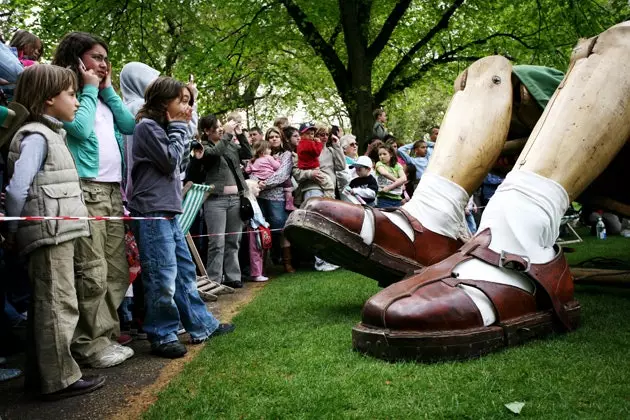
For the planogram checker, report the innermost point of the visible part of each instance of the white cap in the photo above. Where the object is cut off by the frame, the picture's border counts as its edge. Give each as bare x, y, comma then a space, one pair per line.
363, 161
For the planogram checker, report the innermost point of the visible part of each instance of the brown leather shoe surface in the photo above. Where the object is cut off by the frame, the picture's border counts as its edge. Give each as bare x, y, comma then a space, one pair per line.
432, 300
439, 321
332, 228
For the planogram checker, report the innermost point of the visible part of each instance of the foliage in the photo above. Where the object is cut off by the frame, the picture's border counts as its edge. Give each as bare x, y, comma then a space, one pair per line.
332, 58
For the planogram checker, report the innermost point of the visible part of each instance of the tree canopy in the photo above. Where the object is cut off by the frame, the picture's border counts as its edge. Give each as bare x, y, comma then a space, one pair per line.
336, 58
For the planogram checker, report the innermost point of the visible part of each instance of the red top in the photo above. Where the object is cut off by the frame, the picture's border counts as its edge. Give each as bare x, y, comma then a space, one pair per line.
308, 152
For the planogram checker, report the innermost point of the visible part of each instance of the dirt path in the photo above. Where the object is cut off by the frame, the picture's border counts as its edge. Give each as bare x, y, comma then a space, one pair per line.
131, 387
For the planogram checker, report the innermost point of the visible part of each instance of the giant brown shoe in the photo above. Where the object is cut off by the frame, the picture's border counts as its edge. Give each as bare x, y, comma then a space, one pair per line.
332, 230
429, 318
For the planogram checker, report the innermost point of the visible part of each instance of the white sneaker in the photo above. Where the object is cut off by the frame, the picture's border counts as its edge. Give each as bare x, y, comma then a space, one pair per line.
325, 267
260, 278
127, 351
110, 356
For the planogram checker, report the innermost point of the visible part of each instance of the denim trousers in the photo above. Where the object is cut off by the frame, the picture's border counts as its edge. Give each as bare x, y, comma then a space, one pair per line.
222, 214
170, 282
384, 203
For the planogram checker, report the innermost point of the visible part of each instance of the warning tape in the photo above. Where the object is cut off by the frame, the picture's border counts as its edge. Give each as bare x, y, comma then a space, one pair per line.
40, 218
228, 233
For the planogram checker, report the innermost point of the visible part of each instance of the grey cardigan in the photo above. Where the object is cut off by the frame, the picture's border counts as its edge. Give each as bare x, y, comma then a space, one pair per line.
214, 160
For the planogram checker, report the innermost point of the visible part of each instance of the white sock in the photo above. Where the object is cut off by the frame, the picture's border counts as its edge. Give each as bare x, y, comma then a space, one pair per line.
524, 217
437, 203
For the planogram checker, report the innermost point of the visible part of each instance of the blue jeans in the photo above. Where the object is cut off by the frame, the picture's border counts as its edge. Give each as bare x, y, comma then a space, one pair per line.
274, 212
384, 202
170, 282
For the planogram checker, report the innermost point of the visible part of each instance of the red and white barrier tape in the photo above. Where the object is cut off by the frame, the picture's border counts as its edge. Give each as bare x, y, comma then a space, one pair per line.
40, 218
227, 233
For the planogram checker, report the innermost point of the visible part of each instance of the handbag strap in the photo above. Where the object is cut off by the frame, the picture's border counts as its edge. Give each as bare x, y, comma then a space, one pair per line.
239, 185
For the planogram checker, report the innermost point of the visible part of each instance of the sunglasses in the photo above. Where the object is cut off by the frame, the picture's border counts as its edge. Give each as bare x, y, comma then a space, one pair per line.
352, 144
321, 134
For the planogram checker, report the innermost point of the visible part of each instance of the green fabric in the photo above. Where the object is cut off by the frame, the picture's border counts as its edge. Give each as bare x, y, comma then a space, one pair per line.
541, 82
4, 111
82, 140
396, 171
192, 203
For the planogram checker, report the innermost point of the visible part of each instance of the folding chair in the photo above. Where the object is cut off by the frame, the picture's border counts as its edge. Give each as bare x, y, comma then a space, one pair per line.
568, 220
194, 197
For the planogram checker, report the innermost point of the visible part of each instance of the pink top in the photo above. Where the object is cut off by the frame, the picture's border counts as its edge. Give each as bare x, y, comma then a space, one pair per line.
263, 167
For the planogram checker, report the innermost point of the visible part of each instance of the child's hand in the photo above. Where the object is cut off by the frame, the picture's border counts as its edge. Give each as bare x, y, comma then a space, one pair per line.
89, 77
261, 185
193, 87
229, 127
107, 80
386, 188
181, 116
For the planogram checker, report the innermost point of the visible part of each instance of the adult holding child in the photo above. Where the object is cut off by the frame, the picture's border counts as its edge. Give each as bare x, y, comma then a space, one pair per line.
319, 181
226, 148
272, 198
95, 139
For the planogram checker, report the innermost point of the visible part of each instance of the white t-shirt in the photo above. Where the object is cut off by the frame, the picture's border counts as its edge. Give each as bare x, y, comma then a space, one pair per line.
109, 159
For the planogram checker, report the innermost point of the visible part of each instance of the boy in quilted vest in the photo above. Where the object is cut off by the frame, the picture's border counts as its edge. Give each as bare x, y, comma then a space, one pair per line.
45, 182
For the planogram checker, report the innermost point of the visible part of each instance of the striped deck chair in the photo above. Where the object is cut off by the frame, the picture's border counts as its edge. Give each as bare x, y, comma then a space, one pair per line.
194, 197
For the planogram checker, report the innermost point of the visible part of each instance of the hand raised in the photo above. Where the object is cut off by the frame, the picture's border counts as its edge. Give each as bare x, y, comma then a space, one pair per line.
107, 80
89, 77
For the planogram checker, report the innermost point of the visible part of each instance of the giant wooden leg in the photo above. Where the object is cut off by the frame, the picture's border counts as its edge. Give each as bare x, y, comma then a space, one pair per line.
434, 315
476, 123
588, 118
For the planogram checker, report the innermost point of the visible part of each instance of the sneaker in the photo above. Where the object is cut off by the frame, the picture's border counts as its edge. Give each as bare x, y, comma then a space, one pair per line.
127, 351
325, 267
7, 374
110, 356
233, 284
124, 339
171, 350
222, 329
137, 332
260, 278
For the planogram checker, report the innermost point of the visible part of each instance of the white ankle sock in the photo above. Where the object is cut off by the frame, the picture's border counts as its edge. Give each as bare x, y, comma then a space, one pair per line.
437, 203
524, 217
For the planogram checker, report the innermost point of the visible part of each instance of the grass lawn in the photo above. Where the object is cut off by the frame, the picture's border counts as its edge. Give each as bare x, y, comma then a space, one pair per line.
291, 357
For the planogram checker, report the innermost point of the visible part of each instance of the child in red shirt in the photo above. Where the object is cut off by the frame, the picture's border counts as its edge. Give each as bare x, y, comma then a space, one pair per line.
308, 150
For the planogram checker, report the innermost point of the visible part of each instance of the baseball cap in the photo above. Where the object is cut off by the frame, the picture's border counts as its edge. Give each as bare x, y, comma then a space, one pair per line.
306, 126
362, 161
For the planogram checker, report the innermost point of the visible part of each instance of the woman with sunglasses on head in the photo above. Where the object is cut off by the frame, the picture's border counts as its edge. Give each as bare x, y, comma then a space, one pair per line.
95, 139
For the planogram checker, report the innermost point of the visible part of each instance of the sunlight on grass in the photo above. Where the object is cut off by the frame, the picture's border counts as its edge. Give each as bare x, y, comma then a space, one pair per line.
291, 357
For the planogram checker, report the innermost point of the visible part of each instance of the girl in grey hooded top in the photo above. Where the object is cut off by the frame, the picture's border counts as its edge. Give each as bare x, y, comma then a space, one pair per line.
135, 77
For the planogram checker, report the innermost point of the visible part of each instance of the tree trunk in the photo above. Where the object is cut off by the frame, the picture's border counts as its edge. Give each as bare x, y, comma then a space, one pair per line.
360, 111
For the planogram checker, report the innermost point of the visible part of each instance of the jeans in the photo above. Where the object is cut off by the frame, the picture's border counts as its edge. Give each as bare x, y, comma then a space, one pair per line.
384, 202
222, 215
170, 283
470, 221
276, 215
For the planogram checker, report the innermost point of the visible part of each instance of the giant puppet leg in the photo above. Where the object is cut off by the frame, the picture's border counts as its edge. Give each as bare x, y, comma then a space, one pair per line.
387, 245
430, 316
